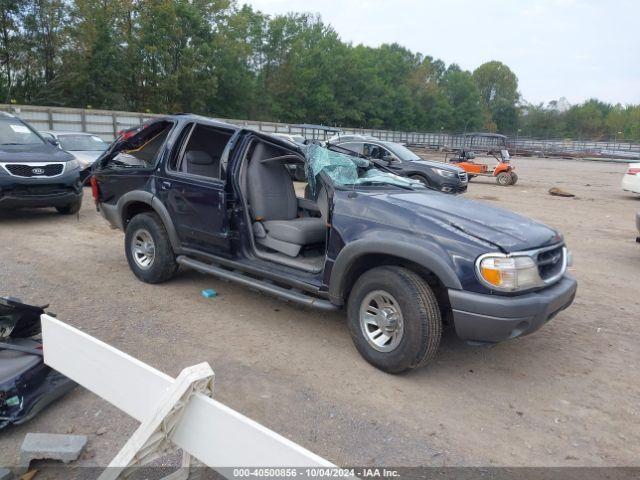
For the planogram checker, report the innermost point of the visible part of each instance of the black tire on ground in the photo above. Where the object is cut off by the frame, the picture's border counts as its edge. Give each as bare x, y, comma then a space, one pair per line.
504, 179
72, 208
420, 178
163, 265
514, 178
421, 321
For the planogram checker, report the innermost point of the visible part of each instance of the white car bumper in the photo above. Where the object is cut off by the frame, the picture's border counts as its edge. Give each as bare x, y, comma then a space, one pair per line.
631, 183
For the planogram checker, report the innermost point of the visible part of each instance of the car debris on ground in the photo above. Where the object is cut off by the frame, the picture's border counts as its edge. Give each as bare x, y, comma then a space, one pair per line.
209, 293
27, 385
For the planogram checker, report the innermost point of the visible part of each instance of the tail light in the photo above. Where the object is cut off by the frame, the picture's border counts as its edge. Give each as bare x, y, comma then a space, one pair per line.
95, 189
633, 171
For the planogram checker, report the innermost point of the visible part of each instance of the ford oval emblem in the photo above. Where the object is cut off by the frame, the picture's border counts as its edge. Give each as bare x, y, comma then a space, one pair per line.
37, 171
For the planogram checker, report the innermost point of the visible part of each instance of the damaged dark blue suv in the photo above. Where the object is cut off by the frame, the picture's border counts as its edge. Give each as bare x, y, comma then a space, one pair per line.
400, 258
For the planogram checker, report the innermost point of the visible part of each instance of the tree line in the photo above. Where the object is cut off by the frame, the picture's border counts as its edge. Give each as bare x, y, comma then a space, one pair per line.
220, 58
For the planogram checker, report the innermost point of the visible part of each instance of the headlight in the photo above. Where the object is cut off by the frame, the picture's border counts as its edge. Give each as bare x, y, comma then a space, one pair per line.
445, 173
73, 165
508, 273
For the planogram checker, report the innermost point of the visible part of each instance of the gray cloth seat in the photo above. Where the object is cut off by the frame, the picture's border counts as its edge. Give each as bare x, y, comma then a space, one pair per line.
302, 231
198, 162
273, 204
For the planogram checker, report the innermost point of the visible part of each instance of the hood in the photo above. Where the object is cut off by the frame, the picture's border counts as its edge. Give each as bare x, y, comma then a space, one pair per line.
435, 164
87, 157
33, 153
507, 230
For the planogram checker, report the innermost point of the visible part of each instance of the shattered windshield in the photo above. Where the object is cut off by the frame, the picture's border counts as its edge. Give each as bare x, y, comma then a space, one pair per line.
347, 170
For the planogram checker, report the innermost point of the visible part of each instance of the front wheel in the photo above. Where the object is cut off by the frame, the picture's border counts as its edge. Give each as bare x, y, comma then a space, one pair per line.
421, 179
514, 178
394, 319
148, 249
504, 179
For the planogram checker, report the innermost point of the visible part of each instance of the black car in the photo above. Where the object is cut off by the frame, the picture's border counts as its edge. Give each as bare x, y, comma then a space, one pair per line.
401, 259
397, 157
34, 172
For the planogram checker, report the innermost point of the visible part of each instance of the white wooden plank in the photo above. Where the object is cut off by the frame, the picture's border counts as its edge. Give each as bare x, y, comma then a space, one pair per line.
132, 386
164, 415
219, 436
210, 431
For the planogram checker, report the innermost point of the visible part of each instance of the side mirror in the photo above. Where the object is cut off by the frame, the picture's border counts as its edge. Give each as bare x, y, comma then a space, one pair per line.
53, 141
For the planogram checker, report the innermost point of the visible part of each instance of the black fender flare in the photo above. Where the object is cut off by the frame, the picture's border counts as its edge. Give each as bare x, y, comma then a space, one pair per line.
427, 254
156, 205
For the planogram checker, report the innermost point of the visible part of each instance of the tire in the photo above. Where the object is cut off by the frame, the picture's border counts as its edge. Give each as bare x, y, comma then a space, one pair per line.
71, 208
148, 249
514, 178
419, 178
418, 331
504, 179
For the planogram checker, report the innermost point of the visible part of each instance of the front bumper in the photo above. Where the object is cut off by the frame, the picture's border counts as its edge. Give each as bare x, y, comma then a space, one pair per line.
494, 318
40, 192
631, 183
454, 188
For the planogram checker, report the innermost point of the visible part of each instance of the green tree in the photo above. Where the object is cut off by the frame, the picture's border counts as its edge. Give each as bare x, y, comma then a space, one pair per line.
9, 40
498, 88
464, 98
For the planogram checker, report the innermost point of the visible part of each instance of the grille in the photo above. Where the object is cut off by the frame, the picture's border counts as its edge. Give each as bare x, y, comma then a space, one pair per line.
462, 176
46, 190
25, 170
550, 262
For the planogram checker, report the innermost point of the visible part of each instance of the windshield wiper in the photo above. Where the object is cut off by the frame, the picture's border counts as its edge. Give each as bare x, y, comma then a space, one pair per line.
14, 143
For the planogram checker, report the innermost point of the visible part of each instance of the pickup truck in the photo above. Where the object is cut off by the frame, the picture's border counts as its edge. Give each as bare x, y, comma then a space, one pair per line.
401, 259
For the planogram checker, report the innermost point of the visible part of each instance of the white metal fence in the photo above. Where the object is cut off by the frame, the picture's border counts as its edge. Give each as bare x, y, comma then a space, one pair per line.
107, 124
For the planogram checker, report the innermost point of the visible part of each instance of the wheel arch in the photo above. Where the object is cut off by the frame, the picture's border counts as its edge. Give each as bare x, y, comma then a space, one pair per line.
359, 257
136, 202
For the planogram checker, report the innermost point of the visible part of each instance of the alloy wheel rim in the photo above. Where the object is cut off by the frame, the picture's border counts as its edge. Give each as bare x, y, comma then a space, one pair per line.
381, 321
143, 248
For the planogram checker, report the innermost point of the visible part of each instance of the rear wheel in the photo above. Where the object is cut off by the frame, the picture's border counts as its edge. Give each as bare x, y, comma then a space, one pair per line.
394, 319
72, 208
504, 179
148, 249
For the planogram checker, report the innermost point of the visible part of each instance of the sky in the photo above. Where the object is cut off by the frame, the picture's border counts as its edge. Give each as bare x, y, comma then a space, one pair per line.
578, 49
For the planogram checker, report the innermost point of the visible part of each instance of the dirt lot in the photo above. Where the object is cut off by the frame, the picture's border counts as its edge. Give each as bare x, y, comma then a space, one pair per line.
566, 395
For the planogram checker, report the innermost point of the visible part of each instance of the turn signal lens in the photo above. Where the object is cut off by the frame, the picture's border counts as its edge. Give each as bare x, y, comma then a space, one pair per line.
491, 275
509, 274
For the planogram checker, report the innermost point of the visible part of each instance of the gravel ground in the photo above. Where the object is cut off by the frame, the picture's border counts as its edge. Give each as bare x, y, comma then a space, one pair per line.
566, 395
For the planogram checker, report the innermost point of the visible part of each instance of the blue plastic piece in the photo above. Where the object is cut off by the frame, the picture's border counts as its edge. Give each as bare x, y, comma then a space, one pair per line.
209, 293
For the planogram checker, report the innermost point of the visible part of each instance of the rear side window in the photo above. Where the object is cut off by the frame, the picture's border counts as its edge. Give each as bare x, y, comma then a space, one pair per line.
142, 150
202, 153
353, 146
